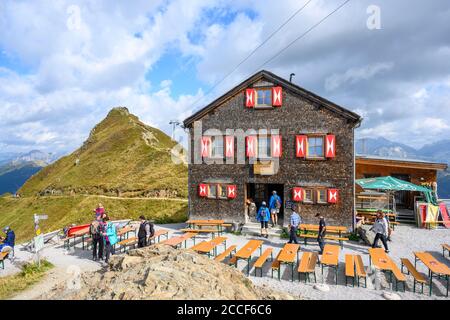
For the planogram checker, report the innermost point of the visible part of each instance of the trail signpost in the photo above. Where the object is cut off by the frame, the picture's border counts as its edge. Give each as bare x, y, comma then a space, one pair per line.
39, 238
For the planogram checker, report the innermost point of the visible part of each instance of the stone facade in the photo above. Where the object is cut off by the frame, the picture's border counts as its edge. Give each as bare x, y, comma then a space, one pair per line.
297, 115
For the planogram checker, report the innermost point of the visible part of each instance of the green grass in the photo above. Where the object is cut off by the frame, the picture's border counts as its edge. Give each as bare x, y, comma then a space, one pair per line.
65, 210
31, 273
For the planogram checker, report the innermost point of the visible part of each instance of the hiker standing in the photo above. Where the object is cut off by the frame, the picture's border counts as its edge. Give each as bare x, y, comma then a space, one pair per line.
263, 217
322, 232
96, 229
110, 235
274, 206
143, 233
380, 228
99, 211
10, 239
293, 226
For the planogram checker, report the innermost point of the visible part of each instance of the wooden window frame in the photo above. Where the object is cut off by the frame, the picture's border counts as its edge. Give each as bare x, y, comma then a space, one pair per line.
220, 188
315, 135
324, 201
263, 106
268, 156
209, 191
305, 200
211, 153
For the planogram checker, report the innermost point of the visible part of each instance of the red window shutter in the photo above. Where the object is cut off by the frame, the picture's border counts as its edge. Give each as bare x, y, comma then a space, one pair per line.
231, 191
229, 146
250, 96
250, 146
297, 194
301, 142
333, 195
206, 147
277, 97
276, 146
202, 190
330, 146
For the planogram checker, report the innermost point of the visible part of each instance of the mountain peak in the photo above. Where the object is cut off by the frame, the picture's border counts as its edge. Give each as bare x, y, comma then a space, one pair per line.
123, 111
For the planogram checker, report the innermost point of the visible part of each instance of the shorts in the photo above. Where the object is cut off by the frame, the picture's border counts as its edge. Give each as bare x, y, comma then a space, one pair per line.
264, 224
274, 211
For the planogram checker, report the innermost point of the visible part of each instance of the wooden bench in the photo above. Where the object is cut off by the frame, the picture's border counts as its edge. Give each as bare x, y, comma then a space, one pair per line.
413, 271
212, 231
262, 259
3, 256
233, 261
307, 265
335, 238
67, 241
349, 268
127, 243
276, 265
360, 270
226, 253
398, 275
445, 247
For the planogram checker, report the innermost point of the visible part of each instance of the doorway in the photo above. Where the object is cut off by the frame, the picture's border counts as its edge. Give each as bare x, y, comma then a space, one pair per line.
260, 192
402, 198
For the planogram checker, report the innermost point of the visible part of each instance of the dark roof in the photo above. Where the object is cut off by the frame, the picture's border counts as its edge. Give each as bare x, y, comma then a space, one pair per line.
263, 74
436, 165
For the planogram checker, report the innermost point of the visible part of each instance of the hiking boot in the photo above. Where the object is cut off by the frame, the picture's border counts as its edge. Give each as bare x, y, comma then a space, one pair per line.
387, 251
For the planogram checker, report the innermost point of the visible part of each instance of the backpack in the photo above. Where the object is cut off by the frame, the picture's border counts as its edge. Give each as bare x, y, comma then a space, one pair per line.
278, 204
94, 228
152, 229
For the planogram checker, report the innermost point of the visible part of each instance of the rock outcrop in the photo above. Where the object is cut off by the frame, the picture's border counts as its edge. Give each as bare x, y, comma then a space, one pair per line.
162, 272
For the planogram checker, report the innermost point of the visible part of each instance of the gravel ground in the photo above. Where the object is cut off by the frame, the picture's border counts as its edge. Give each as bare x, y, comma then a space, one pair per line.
405, 241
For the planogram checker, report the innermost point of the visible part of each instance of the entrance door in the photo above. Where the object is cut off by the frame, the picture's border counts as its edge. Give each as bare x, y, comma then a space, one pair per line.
260, 192
402, 198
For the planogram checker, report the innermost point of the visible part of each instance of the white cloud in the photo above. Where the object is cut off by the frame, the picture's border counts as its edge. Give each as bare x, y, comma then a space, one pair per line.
354, 75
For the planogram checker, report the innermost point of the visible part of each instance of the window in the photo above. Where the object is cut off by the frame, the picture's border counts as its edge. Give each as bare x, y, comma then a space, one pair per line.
222, 191
264, 147
321, 196
212, 191
217, 147
371, 175
309, 196
264, 97
315, 147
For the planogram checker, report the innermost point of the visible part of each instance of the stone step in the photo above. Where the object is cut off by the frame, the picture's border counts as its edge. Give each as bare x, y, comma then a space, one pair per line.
255, 229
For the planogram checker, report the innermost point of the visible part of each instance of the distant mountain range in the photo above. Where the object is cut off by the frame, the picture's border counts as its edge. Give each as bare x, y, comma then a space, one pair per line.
434, 152
16, 168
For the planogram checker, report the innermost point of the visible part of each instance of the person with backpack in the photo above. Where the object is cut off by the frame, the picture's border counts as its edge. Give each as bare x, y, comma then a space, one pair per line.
95, 230
263, 217
9, 240
110, 237
322, 232
274, 207
144, 232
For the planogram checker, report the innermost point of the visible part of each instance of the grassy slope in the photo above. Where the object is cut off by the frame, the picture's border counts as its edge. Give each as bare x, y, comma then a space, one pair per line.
115, 156
62, 211
31, 273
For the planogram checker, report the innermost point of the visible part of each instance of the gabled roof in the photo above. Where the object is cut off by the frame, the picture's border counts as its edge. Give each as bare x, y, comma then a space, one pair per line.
400, 162
269, 76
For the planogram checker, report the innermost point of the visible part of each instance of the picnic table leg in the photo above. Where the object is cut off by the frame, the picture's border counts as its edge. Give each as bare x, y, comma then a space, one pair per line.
447, 284
431, 281
279, 272
292, 269
248, 265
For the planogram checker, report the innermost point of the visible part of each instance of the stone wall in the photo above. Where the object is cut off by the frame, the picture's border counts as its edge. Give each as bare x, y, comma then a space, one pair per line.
297, 115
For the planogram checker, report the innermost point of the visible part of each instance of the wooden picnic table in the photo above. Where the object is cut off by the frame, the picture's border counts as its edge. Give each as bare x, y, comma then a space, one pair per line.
158, 234
208, 246
124, 231
247, 250
206, 223
176, 241
380, 259
330, 258
289, 255
80, 233
434, 267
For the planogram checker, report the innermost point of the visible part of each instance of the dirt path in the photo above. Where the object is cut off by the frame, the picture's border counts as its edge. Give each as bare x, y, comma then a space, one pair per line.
119, 198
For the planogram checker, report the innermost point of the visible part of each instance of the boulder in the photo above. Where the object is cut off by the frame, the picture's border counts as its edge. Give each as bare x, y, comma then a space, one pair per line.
162, 272
365, 234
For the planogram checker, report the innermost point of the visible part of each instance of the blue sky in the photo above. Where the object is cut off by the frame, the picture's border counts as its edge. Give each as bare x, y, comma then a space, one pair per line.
65, 64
